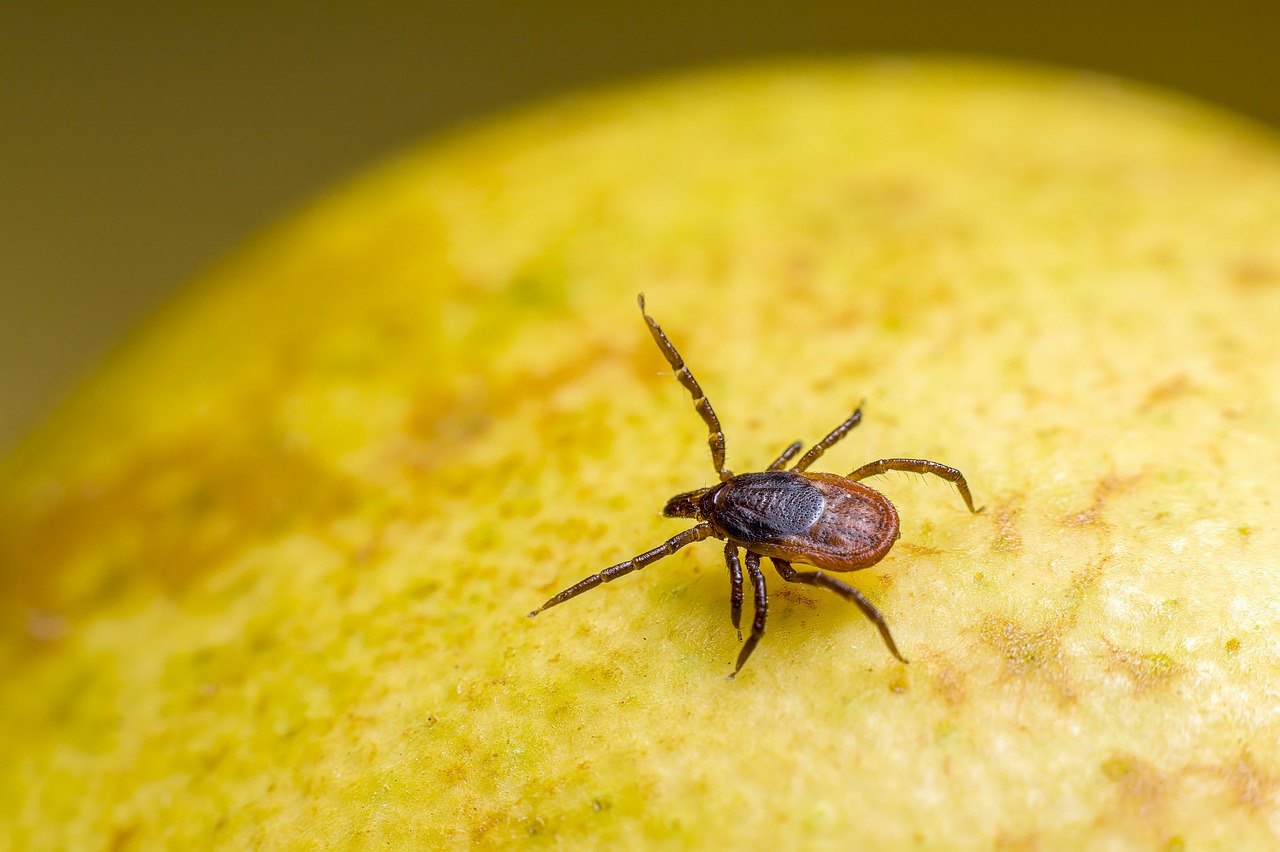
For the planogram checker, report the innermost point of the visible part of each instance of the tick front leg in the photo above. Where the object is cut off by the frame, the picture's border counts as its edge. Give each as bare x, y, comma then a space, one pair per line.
762, 611
816, 451
950, 474
635, 563
735, 586
700, 402
817, 578
785, 456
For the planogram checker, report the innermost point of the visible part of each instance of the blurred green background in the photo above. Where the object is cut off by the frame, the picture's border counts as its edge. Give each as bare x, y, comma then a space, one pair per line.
139, 142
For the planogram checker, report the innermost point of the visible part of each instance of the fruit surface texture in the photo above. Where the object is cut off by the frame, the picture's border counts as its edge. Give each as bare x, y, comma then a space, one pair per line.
264, 575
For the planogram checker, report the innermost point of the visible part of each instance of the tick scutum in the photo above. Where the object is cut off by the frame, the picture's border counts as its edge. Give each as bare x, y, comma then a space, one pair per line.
763, 507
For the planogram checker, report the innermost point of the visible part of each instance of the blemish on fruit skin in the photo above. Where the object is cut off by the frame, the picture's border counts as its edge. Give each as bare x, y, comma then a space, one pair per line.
1167, 391
1030, 653
943, 731
1233, 645
801, 596
1253, 273
169, 517
1005, 518
1107, 487
949, 684
45, 626
1038, 652
1147, 671
1082, 583
1252, 785
1141, 788
124, 836
1006, 842
541, 284
915, 550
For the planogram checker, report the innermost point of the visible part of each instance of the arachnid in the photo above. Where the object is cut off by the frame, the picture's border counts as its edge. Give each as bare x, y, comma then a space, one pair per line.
821, 519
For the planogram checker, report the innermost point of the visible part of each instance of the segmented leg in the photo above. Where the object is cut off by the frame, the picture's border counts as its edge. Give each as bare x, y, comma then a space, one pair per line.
950, 474
735, 586
762, 611
817, 578
786, 455
700, 401
635, 563
816, 451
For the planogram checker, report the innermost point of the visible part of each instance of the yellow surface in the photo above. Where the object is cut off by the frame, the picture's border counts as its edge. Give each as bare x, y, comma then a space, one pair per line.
265, 576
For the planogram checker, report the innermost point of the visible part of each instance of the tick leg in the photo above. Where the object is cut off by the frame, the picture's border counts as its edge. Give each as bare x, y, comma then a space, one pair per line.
817, 578
950, 474
700, 401
635, 563
735, 586
785, 456
762, 611
816, 451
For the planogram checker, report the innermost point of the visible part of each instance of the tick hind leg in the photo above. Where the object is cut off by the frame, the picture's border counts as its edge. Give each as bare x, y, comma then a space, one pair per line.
849, 593
635, 563
735, 586
762, 611
950, 474
700, 401
816, 451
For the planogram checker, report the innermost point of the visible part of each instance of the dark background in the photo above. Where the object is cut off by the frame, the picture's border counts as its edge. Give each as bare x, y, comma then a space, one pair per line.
140, 142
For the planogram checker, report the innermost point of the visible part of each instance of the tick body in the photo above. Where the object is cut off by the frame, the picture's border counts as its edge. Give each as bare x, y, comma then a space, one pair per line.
834, 523
817, 518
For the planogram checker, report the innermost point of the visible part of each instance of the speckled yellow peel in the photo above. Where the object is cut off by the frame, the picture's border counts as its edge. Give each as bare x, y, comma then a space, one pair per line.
263, 578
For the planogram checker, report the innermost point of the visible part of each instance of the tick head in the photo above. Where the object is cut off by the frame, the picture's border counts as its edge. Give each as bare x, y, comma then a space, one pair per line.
686, 505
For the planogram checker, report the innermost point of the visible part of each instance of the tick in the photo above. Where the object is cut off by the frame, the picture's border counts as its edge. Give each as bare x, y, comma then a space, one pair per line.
834, 523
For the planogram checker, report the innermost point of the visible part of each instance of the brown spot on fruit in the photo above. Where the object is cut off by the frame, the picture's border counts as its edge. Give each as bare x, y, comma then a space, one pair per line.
949, 684
1005, 518
799, 596
168, 517
1253, 785
1030, 653
1007, 842
1107, 487
1141, 789
1253, 273
1167, 391
916, 550
1147, 670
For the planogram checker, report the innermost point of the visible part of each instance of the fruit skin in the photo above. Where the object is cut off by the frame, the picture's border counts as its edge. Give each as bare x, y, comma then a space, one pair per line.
264, 575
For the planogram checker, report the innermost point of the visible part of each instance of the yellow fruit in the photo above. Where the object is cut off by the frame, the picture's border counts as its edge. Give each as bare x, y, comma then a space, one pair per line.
265, 575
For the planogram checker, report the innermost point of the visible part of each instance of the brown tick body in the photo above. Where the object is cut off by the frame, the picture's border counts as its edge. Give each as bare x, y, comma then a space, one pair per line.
821, 519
